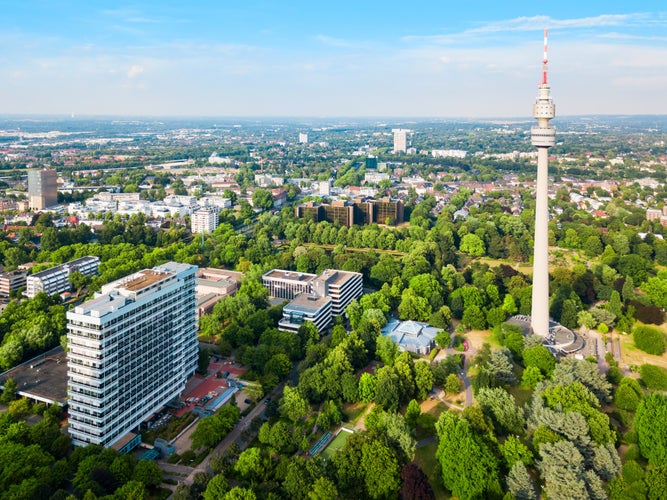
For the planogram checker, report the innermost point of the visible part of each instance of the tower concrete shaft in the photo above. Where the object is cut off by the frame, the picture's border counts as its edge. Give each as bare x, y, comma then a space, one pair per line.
543, 136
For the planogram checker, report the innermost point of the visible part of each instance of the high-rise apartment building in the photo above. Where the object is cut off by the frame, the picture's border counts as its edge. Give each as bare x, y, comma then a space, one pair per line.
204, 220
400, 140
131, 350
42, 189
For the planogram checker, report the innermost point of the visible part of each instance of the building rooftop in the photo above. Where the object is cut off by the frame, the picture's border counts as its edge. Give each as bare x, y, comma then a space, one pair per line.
289, 275
143, 279
43, 378
307, 303
67, 265
336, 276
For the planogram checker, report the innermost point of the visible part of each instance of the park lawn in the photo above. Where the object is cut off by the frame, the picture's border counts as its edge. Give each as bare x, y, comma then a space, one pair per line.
354, 411
335, 445
425, 459
632, 355
521, 394
479, 337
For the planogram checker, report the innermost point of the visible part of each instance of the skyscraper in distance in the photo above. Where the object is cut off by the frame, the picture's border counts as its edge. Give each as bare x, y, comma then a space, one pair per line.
543, 136
400, 140
42, 189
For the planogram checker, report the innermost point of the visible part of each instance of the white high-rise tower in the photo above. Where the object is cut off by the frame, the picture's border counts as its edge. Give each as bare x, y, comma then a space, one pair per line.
543, 136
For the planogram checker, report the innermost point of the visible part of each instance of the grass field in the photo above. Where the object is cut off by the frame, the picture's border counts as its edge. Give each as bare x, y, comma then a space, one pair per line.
335, 445
631, 355
425, 459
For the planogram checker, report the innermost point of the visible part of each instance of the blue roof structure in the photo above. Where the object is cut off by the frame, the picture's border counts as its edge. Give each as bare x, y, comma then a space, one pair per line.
411, 336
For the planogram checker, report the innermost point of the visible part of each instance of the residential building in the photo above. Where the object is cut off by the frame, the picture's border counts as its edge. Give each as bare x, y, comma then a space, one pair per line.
11, 281
400, 140
131, 350
303, 138
287, 284
306, 307
42, 188
204, 220
56, 279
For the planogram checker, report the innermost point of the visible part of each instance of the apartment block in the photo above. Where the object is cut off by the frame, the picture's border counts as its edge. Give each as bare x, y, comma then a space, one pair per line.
11, 281
131, 350
56, 279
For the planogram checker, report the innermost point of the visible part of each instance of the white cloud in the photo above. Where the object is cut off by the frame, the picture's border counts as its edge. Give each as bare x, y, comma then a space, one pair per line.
135, 71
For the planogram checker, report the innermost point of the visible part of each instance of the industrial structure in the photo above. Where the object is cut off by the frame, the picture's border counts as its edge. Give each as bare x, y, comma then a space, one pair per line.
543, 136
130, 350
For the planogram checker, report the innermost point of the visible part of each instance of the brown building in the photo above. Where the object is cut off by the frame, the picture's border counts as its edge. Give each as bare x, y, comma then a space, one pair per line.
361, 211
11, 281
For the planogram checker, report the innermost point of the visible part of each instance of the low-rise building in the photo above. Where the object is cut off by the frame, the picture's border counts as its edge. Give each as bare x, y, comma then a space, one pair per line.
11, 282
56, 279
287, 284
411, 336
306, 307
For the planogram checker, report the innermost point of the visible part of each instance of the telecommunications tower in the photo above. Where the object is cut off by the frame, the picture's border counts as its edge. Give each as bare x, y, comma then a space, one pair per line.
543, 136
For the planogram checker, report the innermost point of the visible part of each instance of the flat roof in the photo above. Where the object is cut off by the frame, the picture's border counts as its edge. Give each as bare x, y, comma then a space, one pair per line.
43, 378
289, 275
66, 265
336, 276
307, 303
144, 279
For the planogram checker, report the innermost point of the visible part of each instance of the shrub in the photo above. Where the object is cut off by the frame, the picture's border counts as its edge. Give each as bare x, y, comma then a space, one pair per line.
649, 339
653, 376
648, 313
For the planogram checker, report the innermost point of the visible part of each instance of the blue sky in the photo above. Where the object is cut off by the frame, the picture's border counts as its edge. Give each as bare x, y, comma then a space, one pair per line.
418, 58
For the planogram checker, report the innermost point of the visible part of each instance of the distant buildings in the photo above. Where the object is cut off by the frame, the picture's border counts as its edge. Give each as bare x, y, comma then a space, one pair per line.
42, 189
303, 138
204, 220
269, 180
347, 213
313, 298
131, 350
56, 279
657, 214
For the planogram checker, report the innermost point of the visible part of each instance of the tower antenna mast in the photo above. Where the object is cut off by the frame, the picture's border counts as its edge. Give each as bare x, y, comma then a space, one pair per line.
545, 66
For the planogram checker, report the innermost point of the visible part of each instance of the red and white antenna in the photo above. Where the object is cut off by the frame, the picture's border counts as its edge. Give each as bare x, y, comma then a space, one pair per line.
544, 61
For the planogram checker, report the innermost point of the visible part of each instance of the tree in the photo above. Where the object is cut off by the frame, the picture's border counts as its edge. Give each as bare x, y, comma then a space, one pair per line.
9, 391
540, 357
211, 430
651, 426
386, 350
293, 405
532, 376
323, 489
413, 307
649, 339
500, 366
424, 379
262, 199
520, 483
655, 377
562, 469
249, 464
387, 390
628, 395
453, 384
238, 493
513, 451
216, 488
472, 245
474, 318
380, 469
367, 385
415, 484
500, 406
148, 473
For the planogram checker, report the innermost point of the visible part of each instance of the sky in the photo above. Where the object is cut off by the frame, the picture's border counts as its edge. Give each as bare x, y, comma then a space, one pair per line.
363, 58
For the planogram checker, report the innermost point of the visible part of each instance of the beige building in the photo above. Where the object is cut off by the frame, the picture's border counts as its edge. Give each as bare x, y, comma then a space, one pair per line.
42, 189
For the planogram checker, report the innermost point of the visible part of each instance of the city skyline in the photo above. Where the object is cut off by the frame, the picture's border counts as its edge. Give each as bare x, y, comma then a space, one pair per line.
282, 58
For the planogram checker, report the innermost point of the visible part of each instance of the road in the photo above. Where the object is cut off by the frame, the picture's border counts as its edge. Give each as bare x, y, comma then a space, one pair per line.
233, 437
463, 375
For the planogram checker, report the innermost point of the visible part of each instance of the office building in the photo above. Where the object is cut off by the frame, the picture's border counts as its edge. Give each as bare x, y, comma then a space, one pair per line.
360, 211
341, 286
42, 189
543, 136
314, 298
306, 307
204, 220
56, 279
131, 350
287, 284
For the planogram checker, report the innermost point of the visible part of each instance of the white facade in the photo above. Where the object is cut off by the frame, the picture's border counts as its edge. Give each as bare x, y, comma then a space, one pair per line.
56, 279
341, 286
306, 307
204, 220
130, 351
400, 140
287, 284
303, 138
